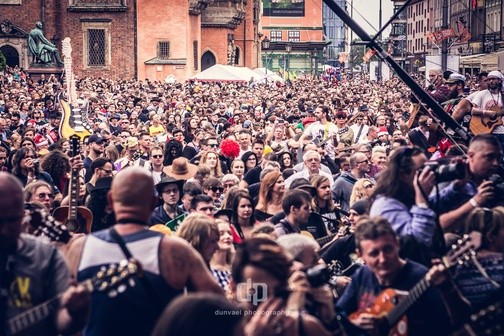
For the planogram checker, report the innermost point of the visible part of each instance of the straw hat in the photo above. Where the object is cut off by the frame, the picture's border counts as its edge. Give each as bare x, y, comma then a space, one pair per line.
181, 169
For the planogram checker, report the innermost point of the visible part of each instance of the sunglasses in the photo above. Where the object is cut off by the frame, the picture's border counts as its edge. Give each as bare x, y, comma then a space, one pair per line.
44, 195
213, 145
217, 189
157, 156
108, 171
368, 186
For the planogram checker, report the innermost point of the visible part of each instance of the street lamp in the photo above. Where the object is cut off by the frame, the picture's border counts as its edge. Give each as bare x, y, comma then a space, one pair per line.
265, 45
288, 49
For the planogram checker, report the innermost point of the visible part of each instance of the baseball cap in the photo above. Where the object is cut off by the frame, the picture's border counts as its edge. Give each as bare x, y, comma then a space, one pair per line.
95, 138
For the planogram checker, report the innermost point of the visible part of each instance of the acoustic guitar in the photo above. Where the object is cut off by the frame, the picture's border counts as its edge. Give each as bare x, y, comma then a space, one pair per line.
483, 124
74, 119
42, 224
114, 279
487, 321
391, 305
76, 218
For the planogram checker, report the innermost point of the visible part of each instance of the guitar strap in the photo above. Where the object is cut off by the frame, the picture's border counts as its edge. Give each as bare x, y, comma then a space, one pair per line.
7, 264
326, 132
158, 305
359, 134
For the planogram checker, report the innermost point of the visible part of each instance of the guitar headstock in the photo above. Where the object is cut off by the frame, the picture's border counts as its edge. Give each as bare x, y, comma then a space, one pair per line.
43, 224
66, 47
463, 249
115, 278
74, 145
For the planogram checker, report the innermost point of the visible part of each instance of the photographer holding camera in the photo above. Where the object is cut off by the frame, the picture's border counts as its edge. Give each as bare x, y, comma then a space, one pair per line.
461, 196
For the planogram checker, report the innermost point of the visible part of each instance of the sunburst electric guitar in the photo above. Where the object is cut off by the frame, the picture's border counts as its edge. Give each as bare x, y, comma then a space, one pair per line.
74, 119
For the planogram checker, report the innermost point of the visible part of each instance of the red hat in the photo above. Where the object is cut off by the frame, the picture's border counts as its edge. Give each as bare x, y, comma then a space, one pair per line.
382, 131
40, 140
308, 120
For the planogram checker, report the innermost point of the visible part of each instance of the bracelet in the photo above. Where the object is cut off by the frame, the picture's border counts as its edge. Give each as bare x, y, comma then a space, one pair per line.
473, 202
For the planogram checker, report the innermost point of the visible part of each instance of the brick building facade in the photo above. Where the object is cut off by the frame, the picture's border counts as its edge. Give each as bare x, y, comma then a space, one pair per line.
136, 38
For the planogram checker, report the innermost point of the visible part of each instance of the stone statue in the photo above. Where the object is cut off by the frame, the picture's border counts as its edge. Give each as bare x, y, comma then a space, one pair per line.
41, 48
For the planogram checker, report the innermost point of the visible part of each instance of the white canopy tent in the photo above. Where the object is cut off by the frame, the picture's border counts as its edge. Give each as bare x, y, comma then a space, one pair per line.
226, 73
270, 75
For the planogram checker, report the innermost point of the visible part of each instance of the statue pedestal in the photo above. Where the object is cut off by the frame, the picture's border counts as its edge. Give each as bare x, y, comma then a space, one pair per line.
36, 72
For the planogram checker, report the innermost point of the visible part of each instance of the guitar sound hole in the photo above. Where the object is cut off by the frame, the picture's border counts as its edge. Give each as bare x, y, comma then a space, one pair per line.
73, 226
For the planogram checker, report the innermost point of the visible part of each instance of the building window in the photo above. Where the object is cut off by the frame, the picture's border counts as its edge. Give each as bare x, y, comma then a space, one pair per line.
195, 55
96, 49
276, 35
163, 49
10, 2
295, 36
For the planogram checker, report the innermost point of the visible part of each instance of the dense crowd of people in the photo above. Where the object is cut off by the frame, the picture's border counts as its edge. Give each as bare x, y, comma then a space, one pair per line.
250, 208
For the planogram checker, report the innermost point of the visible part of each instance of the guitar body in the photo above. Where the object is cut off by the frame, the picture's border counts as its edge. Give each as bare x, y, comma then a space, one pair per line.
483, 125
82, 224
383, 304
73, 122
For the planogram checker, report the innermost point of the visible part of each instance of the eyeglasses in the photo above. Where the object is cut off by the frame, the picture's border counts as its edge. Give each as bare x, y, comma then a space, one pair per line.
108, 171
217, 189
157, 156
252, 158
44, 195
365, 161
213, 145
340, 117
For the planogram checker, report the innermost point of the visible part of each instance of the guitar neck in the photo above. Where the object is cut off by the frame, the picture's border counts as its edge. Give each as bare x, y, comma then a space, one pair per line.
73, 194
32, 316
324, 240
409, 300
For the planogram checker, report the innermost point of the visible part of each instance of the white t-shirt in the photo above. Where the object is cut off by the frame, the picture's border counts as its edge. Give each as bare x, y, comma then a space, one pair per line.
320, 132
363, 134
486, 100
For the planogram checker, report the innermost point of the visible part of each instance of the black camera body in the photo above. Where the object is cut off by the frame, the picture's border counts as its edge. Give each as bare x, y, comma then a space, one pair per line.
446, 172
498, 185
318, 275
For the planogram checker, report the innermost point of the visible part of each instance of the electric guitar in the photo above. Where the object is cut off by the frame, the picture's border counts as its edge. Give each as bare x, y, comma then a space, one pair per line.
76, 218
74, 119
483, 124
391, 306
114, 279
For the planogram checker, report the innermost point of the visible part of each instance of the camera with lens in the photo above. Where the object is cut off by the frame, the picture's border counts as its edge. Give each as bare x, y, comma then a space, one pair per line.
318, 275
498, 185
36, 163
446, 172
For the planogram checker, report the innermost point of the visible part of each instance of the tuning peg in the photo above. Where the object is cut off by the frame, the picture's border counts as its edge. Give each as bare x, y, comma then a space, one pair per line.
122, 288
131, 282
113, 293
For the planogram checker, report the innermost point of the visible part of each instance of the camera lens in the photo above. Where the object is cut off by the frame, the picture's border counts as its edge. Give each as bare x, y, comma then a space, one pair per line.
450, 172
318, 275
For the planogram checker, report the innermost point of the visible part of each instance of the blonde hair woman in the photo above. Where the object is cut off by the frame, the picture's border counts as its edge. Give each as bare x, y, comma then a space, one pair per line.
211, 159
202, 233
361, 189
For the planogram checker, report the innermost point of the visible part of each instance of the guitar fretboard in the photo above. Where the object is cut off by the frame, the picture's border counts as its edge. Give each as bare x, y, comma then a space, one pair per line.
409, 300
